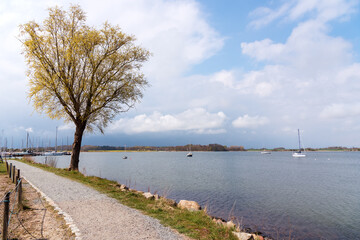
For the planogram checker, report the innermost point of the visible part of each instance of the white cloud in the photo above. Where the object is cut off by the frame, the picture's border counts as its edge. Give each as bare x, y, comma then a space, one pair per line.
299, 71
306, 61
309, 47
29, 130
176, 32
340, 111
253, 82
325, 10
247, 121
19, 129
288, 130
321, 10
264, 89
264, 16
67, 126
227, 78
196, 120
350, 74
263, 50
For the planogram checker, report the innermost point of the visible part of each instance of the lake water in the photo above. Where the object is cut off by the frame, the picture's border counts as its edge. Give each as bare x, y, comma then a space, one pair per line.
317, 197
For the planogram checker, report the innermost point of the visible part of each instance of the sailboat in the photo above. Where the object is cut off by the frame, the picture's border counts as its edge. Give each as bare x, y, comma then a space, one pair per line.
125, 157
299, 153
265, 152
54, 153
189, 153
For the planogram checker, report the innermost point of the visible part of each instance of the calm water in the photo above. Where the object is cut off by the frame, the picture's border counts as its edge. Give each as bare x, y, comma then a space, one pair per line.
317, 197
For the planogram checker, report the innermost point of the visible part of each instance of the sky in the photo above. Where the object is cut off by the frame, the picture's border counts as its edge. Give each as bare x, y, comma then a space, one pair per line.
246, 73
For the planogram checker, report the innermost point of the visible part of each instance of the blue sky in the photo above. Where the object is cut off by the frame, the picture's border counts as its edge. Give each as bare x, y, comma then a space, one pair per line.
244, 73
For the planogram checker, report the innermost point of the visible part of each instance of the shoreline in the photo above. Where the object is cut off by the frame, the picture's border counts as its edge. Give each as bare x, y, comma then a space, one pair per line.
205, 223
252, 221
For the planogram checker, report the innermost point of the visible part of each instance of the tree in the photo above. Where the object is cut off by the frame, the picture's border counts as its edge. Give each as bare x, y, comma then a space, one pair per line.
81, 74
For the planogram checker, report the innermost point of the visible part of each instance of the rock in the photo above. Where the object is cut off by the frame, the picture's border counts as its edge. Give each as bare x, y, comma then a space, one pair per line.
189, 205
248, 230
123, 187
219, 221
169, 201
257, 237
148, 195
230, 224
222, 223
243, 236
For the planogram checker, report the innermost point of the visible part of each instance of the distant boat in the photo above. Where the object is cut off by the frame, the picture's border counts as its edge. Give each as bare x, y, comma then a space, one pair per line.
18, 154
125, 157
53, 153
265, 152
299, 154
189, 153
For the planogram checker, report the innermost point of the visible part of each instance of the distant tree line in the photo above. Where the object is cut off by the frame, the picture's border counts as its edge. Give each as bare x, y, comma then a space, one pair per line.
282, 149
196, 147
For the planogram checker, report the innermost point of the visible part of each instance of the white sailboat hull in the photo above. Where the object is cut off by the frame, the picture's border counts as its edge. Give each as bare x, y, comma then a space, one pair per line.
53, 153
298, 155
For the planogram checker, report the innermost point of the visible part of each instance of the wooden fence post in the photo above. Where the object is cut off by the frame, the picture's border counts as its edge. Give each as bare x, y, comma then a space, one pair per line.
13, 174
7, 167
6, 216
10, 170
20, 194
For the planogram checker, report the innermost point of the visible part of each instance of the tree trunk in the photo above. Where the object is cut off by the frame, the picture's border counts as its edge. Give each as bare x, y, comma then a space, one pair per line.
74, 164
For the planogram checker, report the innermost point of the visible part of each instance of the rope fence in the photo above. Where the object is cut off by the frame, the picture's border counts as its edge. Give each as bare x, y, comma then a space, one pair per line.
12, 207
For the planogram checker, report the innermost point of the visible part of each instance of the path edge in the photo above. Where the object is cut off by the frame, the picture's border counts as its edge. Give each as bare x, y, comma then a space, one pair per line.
68, 219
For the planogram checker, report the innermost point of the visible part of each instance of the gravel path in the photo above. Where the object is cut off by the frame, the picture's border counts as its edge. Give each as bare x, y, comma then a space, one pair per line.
95, 215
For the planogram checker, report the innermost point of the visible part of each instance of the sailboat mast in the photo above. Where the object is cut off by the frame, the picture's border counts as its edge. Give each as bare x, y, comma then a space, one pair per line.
299, 140
27, 141
56, 139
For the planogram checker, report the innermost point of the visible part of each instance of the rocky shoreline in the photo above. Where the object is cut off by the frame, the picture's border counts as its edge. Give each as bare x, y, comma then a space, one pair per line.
241, 234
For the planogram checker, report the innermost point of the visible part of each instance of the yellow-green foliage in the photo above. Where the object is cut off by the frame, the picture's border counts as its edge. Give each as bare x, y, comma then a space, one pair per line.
80, 73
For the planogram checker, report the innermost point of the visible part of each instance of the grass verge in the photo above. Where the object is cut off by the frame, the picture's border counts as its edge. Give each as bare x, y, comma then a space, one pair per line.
3, 169
196, 225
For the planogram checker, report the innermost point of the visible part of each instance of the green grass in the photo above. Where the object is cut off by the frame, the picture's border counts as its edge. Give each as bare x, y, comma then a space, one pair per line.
197, 225
3, 168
